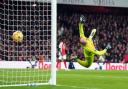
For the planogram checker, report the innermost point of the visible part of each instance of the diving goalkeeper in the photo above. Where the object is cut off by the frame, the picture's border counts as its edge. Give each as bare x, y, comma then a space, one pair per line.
87, 45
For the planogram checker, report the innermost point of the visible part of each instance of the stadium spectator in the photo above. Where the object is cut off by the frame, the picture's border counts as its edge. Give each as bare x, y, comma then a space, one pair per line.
72, 57
125, 58
62, 53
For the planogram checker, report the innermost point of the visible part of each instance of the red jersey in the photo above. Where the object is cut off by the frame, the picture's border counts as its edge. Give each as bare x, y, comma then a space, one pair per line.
125, 58
62, 47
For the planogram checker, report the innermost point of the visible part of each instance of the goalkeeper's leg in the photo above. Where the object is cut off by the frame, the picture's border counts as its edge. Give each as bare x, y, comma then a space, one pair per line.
86, 62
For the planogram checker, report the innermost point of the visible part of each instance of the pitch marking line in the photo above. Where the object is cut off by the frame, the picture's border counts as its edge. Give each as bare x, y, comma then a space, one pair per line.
76, 87
112, 76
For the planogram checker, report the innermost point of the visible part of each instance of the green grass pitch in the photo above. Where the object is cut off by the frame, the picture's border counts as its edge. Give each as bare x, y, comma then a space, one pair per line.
85, 79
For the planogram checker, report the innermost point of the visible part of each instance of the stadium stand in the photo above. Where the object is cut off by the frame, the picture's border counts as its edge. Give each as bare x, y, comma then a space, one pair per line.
112, 28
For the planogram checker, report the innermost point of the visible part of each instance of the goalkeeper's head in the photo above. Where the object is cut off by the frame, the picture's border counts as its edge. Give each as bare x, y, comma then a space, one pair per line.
83, 40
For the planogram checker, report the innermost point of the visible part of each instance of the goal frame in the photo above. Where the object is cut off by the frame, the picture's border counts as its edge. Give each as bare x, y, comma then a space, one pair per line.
53, 42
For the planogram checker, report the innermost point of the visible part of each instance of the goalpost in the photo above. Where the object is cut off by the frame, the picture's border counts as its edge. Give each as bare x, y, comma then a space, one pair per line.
33, 61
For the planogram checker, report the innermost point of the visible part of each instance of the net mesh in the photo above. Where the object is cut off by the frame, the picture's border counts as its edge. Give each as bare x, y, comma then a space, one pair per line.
20, 62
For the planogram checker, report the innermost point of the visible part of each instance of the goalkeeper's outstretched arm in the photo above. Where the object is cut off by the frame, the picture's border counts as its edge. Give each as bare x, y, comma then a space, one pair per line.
92, 33
81, 26
81, 30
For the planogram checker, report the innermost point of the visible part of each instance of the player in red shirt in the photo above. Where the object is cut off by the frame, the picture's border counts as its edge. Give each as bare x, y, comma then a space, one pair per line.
62, 53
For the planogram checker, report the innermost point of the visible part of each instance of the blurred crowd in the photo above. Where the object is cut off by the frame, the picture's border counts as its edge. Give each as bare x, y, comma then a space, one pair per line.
112, 30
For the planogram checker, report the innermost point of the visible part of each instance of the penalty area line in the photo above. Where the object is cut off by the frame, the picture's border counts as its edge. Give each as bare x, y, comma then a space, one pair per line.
112, 77
77, 87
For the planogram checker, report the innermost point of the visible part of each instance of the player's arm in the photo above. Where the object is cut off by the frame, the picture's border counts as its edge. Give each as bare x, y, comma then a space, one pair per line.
81, 26
96, 52
92, 33
81, 31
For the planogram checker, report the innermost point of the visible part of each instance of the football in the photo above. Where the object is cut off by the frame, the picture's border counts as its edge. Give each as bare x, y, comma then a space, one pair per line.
17, 36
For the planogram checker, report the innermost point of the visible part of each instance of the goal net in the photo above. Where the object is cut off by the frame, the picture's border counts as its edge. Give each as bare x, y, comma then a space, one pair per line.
31, 62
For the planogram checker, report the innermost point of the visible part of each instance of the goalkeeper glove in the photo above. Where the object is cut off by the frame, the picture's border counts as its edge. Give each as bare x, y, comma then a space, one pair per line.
108, 46
82, 18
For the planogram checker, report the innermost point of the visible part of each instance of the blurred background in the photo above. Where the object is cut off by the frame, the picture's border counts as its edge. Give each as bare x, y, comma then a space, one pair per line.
109, 17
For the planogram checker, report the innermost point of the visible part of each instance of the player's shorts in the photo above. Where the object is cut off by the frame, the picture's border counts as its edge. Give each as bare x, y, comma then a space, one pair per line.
62, 57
